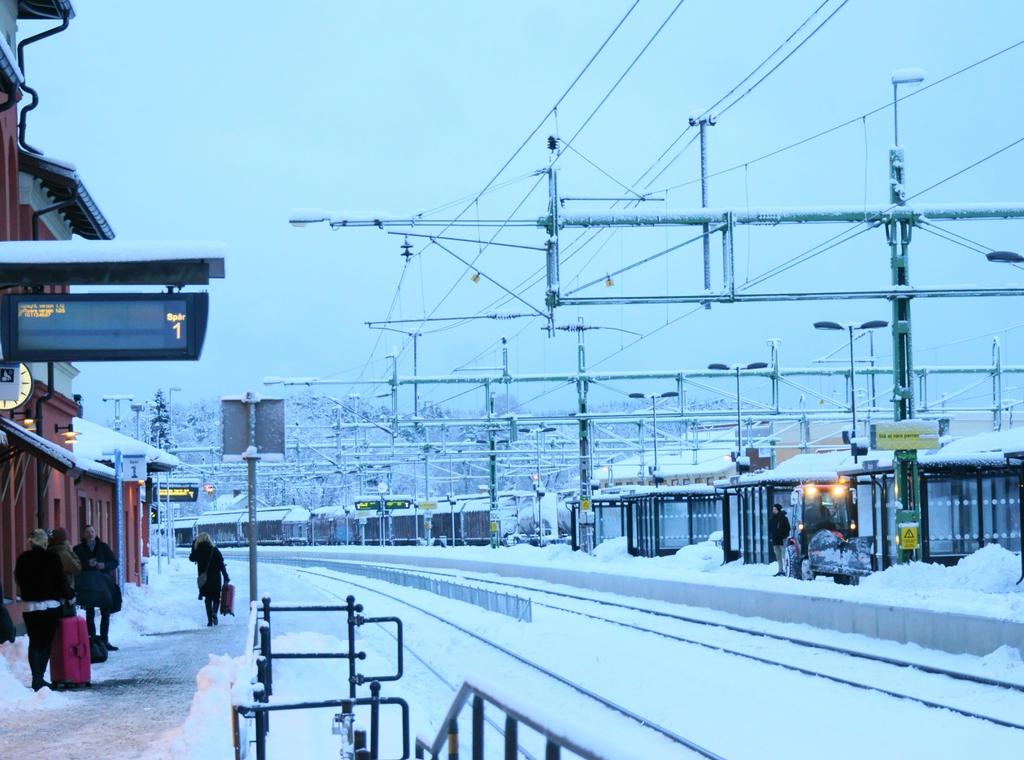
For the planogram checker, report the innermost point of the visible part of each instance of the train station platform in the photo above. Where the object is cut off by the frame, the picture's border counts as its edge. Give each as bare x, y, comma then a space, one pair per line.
140, 697
895, 605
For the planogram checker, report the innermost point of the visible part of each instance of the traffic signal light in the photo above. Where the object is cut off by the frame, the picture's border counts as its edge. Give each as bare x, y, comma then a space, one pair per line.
154, 513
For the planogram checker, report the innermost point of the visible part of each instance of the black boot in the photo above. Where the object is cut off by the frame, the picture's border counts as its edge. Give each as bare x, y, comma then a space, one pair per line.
110, 647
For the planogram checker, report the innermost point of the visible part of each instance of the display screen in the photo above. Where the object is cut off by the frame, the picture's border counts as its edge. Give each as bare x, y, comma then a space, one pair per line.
388, 504
104, 327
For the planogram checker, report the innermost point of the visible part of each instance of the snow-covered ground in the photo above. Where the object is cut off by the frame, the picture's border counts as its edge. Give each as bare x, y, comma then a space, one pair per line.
727, 704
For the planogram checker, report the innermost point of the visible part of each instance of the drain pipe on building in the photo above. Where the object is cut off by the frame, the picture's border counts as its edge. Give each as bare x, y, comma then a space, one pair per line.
66, 14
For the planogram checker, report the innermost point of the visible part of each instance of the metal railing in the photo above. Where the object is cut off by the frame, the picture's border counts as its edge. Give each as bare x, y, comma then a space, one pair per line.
447, 739
504, 604
260, 667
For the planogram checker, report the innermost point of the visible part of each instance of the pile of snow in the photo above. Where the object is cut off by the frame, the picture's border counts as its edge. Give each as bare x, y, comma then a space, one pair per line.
705, 557
613, 550
991, 570
206, 734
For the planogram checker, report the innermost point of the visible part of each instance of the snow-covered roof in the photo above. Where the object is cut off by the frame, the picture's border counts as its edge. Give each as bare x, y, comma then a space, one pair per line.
983, 450
185, 522
809, 468
287, 513
99, 443
329, 511
107, 251
620, 492
220, 518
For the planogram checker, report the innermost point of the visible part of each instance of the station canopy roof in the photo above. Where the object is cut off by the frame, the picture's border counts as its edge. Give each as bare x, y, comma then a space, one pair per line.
41, 10
17, 437
108, 262
61, 181
99, 444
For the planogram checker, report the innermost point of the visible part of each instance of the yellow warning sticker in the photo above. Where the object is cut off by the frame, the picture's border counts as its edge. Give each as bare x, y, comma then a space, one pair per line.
908, 539
585, 505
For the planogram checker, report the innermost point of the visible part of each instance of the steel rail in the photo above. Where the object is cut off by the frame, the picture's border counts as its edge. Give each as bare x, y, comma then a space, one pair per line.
667, 733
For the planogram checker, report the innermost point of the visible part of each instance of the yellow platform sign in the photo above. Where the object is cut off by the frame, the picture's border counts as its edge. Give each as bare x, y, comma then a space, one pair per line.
428, 505
905, 435
909, 538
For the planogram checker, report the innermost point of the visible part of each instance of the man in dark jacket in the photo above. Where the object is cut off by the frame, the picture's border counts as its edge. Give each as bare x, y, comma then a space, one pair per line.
42, 582
778, 532
95, 587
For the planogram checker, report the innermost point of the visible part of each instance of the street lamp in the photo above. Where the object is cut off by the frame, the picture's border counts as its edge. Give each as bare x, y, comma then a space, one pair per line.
737, 368
902, 76
874, 324
539, 433
654, 427
1004, 257
117, 398
382, 489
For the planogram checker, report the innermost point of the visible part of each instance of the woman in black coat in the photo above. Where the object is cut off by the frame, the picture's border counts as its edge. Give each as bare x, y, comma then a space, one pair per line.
42, 582
210, 563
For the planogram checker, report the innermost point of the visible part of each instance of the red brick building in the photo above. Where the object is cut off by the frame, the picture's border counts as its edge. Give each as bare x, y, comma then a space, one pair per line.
42, 482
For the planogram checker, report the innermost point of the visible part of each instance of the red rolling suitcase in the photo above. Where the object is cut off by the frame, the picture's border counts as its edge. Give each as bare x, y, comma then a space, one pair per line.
69, 654
227, 600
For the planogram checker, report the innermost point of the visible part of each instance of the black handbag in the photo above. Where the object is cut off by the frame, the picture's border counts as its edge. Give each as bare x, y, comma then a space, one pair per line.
97, 650
116, 599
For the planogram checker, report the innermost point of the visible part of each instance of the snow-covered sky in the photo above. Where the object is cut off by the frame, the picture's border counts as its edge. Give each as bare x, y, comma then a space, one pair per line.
210, 121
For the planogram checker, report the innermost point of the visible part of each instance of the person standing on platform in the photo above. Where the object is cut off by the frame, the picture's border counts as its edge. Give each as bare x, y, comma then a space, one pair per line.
778, 531
43, 585
95, 588
209, 568
68, 559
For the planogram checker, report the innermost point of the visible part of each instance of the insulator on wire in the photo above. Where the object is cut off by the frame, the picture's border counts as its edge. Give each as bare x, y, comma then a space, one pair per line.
552, 143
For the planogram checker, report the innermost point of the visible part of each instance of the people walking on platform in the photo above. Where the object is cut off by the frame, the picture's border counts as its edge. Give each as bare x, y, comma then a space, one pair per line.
778, 531
43, 584
60, 546
95, 585
209, 568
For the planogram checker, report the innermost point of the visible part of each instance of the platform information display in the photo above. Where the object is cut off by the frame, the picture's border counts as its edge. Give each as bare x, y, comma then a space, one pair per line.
104, 327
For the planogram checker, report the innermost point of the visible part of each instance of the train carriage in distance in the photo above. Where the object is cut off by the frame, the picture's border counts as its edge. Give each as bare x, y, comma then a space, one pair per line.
330, 526
184, 530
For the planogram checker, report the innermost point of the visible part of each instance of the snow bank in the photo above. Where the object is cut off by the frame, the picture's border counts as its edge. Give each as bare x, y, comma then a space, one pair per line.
991, 570
206, 735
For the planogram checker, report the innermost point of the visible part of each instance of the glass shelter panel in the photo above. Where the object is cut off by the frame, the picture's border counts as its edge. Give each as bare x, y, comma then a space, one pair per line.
1000, 512
953, 516
673, 524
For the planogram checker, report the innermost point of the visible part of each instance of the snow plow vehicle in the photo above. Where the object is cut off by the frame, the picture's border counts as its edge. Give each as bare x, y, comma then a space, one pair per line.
824, 539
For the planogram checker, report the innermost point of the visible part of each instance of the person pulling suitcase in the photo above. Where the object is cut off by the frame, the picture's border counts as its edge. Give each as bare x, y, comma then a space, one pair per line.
40, 577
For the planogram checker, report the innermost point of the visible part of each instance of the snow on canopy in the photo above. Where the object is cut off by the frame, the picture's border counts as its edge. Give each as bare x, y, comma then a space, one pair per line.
984, 449
815, 468
104, 251
99, 443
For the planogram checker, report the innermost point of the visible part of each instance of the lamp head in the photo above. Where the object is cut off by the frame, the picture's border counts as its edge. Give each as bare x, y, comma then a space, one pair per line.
669, 394
638, 395
1004, 257
873, 324
757, 365
300, 217
908, 76
719, 366
828, 326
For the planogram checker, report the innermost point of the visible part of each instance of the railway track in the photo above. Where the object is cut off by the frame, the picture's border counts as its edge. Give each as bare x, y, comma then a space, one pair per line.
692, 620
645, 723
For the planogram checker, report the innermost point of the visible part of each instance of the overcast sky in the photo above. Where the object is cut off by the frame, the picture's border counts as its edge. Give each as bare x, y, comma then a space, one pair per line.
210, 121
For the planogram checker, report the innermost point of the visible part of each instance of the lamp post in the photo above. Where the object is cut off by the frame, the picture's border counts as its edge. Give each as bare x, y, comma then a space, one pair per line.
737, 368
654, 424
902, 76
382, 489
873, 324
117, 398
539, 433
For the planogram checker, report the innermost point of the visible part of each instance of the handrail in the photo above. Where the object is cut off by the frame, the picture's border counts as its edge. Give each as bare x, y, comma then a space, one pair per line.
514, 715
